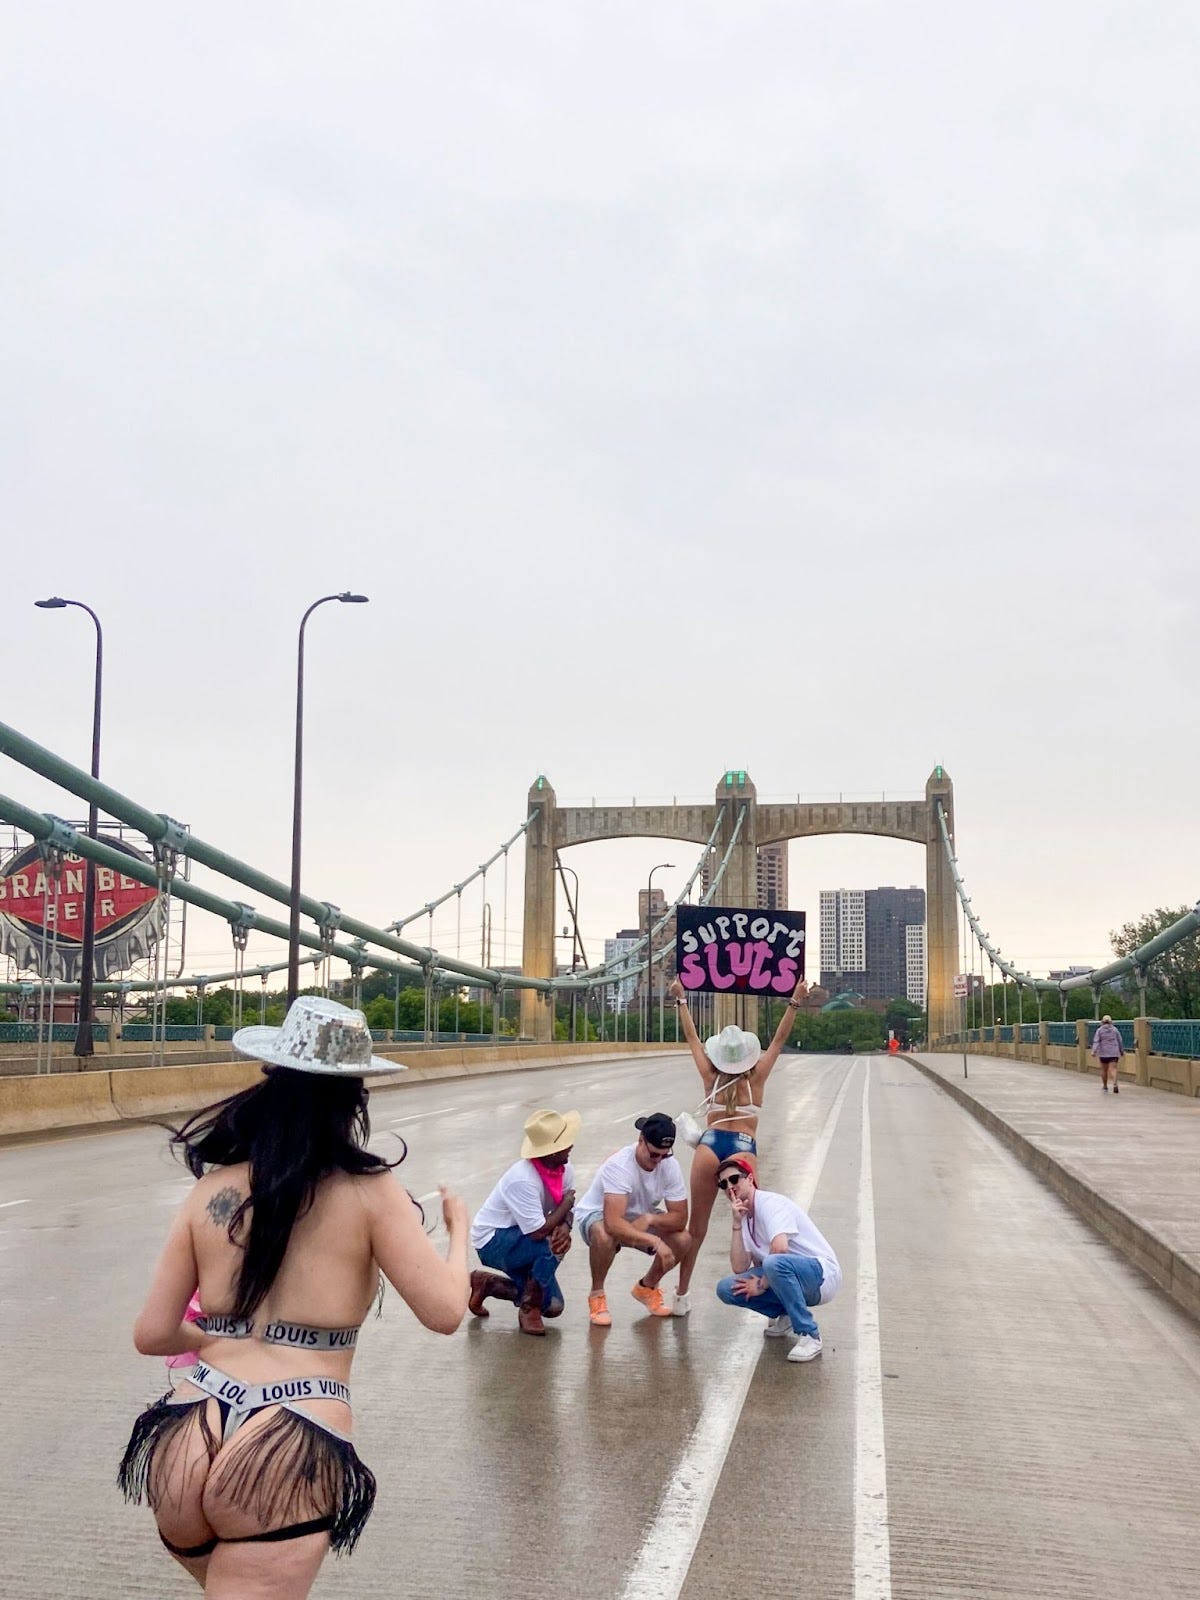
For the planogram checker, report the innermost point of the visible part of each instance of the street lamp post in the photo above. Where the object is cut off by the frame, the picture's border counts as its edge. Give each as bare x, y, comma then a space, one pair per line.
663, 866
293, 978
574, 948
87, 952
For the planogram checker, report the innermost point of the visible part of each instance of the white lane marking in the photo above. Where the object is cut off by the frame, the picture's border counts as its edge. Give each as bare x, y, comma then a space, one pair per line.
419, 1116
872, 1541
662, 1563
5, 1203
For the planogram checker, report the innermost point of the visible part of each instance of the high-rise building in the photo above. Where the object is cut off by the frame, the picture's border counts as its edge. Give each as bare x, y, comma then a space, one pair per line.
621, 994
864, 941
914, 954
843, 939
771, 876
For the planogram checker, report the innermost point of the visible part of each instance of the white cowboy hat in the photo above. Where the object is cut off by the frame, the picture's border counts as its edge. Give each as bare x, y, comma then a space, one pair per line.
732, 1051
317, 1036
548, 1132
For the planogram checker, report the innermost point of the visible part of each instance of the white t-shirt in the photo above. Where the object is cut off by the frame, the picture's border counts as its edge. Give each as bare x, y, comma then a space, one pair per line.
774, 1214
517, 1201
643, 1190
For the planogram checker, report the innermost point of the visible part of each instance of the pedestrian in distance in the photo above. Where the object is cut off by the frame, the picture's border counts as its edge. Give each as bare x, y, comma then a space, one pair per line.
781, 1263
1108, 1050
638, 1198
248, 1463
734, 1069
523, 1228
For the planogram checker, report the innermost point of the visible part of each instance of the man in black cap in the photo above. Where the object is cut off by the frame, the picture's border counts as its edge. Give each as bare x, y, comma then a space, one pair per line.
637, 1198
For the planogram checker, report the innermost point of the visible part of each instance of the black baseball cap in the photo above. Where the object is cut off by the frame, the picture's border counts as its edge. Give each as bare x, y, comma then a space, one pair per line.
658, 1128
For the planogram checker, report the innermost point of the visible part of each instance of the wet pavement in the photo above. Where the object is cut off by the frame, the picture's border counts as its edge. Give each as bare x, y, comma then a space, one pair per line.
1005, 1407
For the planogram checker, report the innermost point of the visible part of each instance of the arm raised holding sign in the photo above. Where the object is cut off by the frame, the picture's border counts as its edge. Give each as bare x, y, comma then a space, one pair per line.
733, 1068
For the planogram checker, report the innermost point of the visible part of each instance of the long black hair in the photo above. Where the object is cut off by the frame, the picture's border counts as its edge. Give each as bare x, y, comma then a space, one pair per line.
294, 1128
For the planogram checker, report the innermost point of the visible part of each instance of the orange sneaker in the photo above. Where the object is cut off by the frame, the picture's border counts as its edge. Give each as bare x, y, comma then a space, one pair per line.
598, 1314
652, 1300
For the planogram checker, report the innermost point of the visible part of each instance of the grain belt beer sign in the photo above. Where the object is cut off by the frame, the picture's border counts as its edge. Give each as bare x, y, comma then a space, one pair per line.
41, 915
739, 950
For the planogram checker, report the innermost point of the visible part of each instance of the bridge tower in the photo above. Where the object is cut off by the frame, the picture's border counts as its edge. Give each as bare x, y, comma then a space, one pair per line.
557, 827
941, 909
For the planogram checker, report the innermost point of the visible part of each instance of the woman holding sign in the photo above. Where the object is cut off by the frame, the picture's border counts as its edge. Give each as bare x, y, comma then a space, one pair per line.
734, 1069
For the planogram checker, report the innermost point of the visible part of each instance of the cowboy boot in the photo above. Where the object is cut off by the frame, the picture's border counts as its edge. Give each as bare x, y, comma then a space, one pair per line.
485, 1284
529, 1311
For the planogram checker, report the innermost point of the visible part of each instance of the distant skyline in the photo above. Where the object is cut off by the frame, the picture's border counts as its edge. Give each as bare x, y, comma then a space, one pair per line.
806, 390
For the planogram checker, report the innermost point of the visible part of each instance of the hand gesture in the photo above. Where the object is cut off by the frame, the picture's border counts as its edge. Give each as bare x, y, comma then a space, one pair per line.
740, 1204
676, 990
800, 990
454, 1210
749, 1287
664, 1253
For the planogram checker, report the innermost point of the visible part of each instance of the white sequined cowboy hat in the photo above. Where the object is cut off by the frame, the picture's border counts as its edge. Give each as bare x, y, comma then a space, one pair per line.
733, 1051
317, 1036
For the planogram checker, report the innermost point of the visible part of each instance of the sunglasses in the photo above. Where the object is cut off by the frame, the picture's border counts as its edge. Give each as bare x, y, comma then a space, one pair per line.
657, 1150
728, 1183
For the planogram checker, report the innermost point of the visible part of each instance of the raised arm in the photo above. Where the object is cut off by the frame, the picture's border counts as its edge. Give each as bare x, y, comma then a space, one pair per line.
703, 1065
771, 1054
160, 1329
433, 1287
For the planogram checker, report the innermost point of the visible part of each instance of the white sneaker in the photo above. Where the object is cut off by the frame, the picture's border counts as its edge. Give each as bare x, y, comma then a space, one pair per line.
778, 1328
681, 1304
805, 1348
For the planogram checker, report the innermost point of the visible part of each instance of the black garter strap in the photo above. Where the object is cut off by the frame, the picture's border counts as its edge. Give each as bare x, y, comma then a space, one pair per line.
275, 1536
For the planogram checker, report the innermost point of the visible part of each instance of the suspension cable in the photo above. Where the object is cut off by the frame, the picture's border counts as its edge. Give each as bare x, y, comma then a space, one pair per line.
431, 905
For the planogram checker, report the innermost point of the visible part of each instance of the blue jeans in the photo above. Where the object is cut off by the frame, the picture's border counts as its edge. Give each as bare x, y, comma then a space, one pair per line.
518, 1256
794, 1285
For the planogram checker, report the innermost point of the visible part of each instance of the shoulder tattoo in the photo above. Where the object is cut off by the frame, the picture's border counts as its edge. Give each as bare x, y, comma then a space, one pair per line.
222, 1205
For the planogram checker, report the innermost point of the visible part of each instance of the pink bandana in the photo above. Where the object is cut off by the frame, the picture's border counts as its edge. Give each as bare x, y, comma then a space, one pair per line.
553, 1177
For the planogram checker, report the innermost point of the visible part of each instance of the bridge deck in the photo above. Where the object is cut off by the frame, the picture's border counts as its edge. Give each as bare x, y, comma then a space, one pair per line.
1025, 1421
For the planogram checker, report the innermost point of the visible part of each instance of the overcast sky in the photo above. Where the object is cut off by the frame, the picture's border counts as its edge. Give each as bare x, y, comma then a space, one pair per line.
804, 388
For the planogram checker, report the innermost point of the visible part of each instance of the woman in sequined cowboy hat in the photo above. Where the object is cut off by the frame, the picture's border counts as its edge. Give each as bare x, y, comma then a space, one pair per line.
248, 1464
734, 1069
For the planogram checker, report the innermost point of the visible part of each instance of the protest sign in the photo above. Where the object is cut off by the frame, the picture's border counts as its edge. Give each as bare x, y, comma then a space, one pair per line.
739, 950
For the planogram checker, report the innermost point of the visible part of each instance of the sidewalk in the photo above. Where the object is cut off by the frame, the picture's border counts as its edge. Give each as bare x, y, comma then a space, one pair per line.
1129, 1164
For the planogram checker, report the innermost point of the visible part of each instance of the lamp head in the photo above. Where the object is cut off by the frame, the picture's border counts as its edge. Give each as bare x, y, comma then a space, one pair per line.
55, 603
349, 599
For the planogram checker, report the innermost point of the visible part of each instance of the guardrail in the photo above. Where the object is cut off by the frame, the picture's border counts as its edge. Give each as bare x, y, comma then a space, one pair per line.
1159, 1053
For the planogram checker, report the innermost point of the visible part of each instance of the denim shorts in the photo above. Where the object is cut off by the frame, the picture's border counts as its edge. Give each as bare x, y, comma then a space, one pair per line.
723, 1143
584, 1222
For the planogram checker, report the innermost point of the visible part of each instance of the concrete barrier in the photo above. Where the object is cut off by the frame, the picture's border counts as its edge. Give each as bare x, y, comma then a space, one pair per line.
167, 1091
39, 1105
68, 1100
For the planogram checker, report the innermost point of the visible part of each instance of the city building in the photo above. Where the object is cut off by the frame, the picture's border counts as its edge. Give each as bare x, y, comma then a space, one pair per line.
865, 943
771, 874
914, 955
620, 995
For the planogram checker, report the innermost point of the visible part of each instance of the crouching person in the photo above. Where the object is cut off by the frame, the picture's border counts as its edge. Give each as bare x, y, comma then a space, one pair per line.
639, 1199
781, 1263
523, 1228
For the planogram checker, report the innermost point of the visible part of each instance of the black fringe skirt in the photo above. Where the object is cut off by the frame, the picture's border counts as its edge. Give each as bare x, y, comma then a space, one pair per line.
291, 1470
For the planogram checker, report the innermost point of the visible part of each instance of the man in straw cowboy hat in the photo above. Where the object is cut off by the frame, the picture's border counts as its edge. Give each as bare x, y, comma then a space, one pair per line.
523, 1228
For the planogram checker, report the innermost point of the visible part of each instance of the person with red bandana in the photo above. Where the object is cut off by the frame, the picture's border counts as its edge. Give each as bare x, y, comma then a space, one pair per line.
523, 1228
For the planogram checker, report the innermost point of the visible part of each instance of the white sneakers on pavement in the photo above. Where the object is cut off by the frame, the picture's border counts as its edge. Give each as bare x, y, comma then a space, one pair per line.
778, 1328
805, 1348
681, 1304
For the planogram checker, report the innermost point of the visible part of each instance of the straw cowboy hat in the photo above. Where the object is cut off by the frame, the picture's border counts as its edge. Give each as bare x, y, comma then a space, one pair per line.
317, 1036
732, 1051
548, 1132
